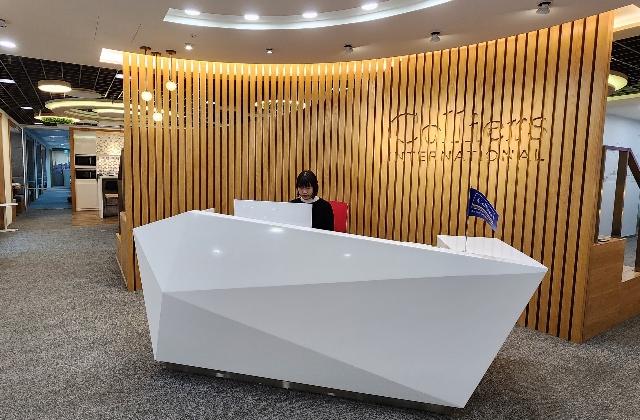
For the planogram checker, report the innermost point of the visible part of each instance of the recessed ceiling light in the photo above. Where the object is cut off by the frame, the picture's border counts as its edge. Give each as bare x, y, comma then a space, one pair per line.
269, 50
6, 81
435, 36
188, 46
26, 107
348, 48
251, 16
310, 15
111, 56
7, 44
119, 76
369, 6
192, 12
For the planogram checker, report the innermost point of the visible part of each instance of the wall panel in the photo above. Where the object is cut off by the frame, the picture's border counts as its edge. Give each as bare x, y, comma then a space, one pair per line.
400, 139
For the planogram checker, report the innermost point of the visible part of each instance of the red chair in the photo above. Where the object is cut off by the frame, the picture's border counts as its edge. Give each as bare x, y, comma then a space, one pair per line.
340, 216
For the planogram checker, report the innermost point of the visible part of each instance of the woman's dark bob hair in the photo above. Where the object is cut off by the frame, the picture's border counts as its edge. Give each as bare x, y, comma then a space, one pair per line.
307, 179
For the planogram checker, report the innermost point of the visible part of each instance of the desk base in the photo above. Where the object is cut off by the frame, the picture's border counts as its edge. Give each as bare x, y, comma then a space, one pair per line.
375, 399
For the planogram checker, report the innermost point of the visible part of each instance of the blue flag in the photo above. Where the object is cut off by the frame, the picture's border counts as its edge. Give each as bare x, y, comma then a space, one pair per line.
480, 207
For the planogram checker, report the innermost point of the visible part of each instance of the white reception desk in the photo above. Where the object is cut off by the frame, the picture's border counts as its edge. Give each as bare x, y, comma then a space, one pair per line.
331, 311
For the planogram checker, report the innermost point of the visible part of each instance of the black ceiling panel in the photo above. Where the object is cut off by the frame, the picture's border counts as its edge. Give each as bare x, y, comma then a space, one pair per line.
26, 72
625, 59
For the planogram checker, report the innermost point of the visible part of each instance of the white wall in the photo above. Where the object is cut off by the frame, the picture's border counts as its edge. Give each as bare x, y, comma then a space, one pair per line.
5, 165
623, 132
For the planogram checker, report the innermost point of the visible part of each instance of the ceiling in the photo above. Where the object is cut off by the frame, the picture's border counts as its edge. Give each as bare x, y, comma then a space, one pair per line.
51, 137
26, 72
75, 31
625, 58
63, 40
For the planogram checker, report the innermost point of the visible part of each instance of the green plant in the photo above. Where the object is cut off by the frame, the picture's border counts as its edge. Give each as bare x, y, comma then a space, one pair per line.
57, 120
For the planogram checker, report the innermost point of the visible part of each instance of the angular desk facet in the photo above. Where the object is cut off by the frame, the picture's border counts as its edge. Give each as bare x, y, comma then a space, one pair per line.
365, 315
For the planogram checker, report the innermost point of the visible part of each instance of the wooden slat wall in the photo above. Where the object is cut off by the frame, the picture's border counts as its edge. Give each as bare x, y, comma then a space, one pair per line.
400, 139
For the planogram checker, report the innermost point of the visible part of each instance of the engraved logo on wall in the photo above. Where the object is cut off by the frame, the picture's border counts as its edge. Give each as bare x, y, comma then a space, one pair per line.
472, 138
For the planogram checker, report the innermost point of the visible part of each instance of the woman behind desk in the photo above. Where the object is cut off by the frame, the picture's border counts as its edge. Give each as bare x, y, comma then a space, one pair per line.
307, 189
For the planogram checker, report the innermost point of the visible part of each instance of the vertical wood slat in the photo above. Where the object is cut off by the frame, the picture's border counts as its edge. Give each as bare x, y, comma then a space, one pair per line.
158, 141
166, 142
532, 236
189, 138
204, 140
469, 116
237, 140
194, 129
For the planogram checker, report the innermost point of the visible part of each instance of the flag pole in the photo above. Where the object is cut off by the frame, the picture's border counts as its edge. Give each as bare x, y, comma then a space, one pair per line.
466, 233
466, 224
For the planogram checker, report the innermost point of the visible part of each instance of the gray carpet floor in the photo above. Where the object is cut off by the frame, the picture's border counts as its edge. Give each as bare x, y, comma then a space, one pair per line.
52, 198
74, 344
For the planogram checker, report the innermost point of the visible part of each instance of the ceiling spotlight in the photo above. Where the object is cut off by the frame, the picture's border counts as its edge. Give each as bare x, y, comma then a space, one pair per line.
7, 44
188, 46
192, 12
26, 107
543, 8
369, 6
3, 23
348, 48
157, 116
269, 50
251, 16
146, 96
309, 15
435, 36
54, 86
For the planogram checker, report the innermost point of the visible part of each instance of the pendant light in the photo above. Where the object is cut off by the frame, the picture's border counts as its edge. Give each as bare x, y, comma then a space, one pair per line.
55, 86
157, 116
146, 95
171, 85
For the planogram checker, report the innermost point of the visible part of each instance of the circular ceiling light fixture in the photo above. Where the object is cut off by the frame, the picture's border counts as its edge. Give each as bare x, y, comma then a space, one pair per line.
188, 46
54, 86
372, 11
435, 36
616, 81
157, 116
192, 12
8, 44
269, 50
543, 8
84, 93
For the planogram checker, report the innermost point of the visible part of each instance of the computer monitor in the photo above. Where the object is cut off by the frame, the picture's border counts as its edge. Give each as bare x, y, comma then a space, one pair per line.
273, 211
